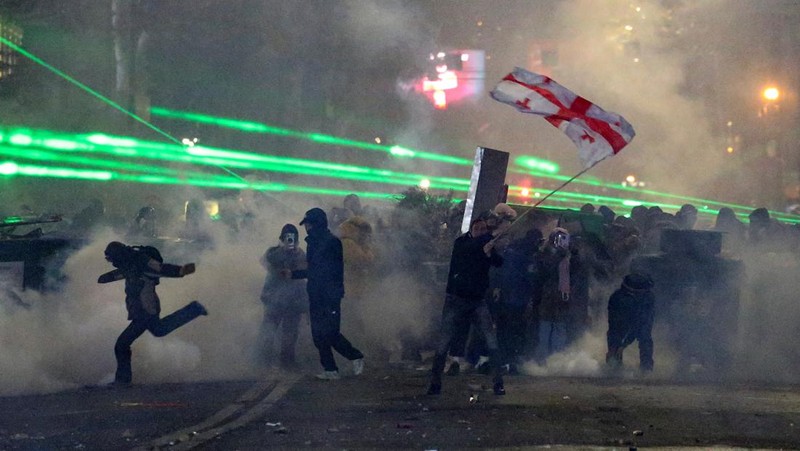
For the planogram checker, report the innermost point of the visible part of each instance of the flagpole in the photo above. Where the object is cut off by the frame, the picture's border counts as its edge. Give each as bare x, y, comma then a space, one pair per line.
562, 186
517, 220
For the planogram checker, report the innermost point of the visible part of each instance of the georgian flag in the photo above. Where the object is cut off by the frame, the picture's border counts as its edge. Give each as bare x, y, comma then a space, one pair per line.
597, 133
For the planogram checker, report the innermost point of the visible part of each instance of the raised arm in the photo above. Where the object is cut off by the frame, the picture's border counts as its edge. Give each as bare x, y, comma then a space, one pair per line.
168, 269
111, 276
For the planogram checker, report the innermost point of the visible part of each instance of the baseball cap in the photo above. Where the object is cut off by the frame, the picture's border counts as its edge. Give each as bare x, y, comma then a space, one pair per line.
315, 216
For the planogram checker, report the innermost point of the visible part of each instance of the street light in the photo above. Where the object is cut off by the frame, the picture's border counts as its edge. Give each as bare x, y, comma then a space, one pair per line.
771, 93
770, 96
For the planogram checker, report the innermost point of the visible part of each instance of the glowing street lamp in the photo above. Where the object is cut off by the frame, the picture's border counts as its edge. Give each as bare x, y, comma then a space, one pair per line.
770, 96
771, 93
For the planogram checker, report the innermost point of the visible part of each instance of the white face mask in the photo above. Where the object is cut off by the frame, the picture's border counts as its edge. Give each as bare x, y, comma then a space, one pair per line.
290, 240
561, 240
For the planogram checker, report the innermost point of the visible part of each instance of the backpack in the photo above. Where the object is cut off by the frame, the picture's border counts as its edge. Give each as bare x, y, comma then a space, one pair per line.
150, 251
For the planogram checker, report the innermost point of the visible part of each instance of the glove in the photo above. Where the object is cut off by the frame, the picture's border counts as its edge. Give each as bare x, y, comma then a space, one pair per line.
186, 269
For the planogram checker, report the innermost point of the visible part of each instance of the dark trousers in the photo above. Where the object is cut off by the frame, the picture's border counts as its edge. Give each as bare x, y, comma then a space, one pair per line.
458, 340
511, 331
288, 323
456, 313
157, 327
325, 316
618, 340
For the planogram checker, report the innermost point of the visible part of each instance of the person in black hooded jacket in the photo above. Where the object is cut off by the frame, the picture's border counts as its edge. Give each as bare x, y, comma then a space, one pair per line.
630, 318
325, 274
141, 268
467, 282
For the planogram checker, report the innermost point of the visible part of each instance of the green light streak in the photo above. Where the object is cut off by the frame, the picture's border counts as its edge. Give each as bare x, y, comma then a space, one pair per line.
82, 86
703, 205
537, 164
320, 138
11, 168
205, 181
533, 166
566, 199
255, 127
47, 156
582, 198
63, 150
13, 220
200, 155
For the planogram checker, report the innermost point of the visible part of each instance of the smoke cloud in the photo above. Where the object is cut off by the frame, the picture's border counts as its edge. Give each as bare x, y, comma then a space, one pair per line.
361, 53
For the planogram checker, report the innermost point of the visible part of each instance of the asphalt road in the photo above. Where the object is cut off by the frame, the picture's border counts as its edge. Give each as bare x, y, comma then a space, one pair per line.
386, 408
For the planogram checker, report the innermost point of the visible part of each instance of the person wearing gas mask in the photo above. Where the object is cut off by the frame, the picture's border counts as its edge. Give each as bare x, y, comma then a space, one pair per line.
142, 267
284, 300
554, 272
325, 286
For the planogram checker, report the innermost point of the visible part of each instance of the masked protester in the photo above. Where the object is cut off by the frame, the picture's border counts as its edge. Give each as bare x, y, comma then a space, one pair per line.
630, 318
554, 270
519, 280
325, 274
284, 300
142, 267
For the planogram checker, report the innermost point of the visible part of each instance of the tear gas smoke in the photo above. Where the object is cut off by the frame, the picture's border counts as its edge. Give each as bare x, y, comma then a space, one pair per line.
65, 339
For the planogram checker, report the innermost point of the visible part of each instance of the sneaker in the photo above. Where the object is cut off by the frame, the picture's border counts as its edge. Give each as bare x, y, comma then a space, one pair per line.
435, 389
358, 366
328, 376
499, 389
454, 369
201, 310
118, 384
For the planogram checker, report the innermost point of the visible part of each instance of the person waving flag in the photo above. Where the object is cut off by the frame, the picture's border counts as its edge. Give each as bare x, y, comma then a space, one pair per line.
597, 133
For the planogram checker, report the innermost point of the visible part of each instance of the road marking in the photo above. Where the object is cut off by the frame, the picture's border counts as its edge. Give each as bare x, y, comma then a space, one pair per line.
226, 419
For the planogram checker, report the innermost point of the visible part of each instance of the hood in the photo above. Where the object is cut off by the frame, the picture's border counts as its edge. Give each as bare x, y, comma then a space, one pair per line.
355, 228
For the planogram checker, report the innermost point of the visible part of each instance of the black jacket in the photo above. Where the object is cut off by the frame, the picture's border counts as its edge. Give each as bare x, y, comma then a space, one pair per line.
469, 267
325, 271
141, 274
630, 315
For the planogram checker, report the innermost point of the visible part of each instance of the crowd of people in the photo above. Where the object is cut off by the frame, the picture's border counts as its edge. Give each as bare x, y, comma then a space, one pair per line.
514, 295
515, 291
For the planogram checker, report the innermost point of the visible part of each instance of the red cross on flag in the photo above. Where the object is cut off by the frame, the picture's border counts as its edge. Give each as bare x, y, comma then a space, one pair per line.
597, 133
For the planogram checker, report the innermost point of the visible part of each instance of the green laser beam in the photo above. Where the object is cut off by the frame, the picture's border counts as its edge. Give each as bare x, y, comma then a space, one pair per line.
216, 157
85, 88
98, 96
533, 166
61, 144
48, 156
12, 168
701, 204
326, 139
257, 127
219, 181
100, 143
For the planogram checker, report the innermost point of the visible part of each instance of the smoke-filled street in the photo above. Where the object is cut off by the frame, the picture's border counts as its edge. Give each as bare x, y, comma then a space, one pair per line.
385, 409
421, 224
